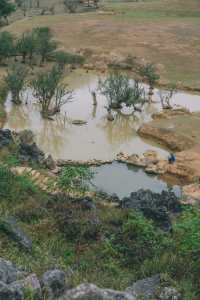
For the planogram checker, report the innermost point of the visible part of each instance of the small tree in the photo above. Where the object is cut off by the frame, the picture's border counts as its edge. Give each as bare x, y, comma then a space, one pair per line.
6, 8
148, 72
26, 46
6, 45
166, 96
16, 81
44, 43
50, 93
118, 90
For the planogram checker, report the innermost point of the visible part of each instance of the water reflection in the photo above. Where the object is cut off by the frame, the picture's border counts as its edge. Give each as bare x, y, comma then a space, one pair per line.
122, 180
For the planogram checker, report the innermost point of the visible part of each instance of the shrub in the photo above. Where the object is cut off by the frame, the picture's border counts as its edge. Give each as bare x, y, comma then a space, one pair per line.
44, 43
14, 187
148, 72
6, 45
16, 81
118, 90
26, 45
137, 240
71, 176
50, 93
64, 58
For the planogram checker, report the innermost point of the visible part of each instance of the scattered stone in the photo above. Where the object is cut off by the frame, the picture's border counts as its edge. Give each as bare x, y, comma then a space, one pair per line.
53, 283
153, 205
145, 288
50, 163
91, 162
133, 159
79, 122
6, 293
9, 272
92, 292
6, 138
10, 227
87, 203
170, 293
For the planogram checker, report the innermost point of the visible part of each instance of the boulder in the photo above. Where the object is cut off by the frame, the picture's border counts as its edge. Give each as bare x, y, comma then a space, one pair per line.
10, 227
92, 292
170, 293
9, 272
153, 205
87, 203
31, 152
30, 284
53, 283
26, 137
50, 163
6, 292
146, 288
6, 138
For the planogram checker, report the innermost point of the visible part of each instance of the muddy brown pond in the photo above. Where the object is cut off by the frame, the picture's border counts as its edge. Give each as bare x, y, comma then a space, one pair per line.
99, 138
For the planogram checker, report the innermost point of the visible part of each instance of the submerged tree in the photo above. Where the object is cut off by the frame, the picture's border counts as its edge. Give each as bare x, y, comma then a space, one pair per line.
50, 92
148, 73
16, 81
166, 96
119, 91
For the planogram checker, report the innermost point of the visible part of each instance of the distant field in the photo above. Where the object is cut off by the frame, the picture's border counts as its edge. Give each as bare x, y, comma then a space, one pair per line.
166, 32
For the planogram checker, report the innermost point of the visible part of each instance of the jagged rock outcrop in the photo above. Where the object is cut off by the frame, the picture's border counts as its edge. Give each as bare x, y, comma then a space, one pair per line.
6, 138
9, 272
53, 283
145, 288
92, 292
11, 228
157, 207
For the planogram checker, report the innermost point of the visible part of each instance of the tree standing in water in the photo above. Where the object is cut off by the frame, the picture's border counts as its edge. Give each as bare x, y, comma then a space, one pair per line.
50, 91
149, 74
16, 81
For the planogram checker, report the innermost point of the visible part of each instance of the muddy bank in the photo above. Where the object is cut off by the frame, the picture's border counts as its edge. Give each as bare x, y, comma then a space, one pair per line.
178, 133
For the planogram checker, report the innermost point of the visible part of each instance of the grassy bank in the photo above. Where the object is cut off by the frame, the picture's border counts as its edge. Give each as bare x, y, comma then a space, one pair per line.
108, 246
164, 32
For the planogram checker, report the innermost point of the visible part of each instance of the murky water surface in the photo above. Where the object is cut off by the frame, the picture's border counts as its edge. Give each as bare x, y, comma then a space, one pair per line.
122, 180
99, 138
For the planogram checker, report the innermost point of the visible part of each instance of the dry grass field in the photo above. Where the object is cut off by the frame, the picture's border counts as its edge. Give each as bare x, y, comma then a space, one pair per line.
166, 32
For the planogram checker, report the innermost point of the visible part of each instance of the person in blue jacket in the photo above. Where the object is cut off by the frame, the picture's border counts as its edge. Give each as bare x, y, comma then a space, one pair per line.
172, 158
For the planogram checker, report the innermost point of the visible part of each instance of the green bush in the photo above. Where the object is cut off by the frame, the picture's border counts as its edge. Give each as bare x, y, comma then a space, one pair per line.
14, 187
138, 239
66, 58
71, 176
